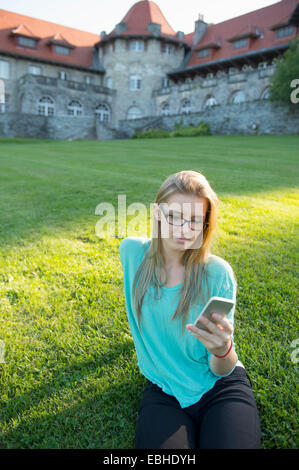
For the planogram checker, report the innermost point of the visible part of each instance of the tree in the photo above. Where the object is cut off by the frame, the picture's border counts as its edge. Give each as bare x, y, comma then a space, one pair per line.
284, 83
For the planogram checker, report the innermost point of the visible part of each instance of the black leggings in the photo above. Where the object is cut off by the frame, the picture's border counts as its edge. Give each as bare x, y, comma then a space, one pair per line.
226, 417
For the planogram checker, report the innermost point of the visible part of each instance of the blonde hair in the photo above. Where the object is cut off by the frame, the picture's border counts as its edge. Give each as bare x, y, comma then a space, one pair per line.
194, 260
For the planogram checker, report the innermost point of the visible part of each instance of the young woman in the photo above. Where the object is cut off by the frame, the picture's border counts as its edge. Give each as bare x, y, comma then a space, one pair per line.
198, 394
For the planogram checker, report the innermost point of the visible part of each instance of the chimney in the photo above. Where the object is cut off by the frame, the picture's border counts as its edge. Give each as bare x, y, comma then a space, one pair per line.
103, 34
199, 30
154, 29
180, 35
120, 28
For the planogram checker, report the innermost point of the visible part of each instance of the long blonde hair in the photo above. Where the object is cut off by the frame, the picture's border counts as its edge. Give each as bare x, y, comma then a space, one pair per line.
194, 260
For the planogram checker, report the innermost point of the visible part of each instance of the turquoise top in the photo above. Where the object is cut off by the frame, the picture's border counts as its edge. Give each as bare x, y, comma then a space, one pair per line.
179, 364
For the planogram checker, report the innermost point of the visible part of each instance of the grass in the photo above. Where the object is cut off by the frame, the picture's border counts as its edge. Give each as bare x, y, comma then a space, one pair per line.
70, 378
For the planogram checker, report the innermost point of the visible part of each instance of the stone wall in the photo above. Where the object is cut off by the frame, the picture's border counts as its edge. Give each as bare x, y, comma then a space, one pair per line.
47, 127
57, 127
248, 118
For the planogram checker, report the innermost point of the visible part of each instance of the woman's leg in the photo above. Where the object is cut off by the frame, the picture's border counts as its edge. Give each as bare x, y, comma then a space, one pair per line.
230, 418
162, 423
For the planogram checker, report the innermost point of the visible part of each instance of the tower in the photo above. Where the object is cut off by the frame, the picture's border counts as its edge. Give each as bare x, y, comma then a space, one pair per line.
136, 56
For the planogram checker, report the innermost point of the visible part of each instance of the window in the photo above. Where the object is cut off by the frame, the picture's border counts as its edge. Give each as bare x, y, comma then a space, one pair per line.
137, 46
186, 107
4, 69
74, 108
61, 50
63, 75
135, 82
109, 82
88, 79
165, 109
285, 31
167, 48
165, 82
103, 113
134, 113
34, 69
238, 97
4, 99
204, 53
2, 96
210, 101
240, 43
46, 106
26, 42
266, 94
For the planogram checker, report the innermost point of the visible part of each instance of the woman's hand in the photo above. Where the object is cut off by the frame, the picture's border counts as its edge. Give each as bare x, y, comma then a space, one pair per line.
218, 339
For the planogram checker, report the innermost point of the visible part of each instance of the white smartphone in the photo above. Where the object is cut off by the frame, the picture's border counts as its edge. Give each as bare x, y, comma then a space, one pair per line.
215, 304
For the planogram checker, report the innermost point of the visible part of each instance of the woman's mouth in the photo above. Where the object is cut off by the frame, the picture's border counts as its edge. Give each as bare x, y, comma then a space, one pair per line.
181, 240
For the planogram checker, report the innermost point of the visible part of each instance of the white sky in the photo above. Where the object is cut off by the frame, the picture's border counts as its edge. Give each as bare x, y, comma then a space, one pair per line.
95, 16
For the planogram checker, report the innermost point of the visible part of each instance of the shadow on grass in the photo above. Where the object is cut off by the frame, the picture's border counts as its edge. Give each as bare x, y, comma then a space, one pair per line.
107, 420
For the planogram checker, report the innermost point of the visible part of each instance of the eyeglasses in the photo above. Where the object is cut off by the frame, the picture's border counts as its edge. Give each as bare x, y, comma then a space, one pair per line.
178, 221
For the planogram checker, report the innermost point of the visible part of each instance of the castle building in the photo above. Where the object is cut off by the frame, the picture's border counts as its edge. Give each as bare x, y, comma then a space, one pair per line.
60, 82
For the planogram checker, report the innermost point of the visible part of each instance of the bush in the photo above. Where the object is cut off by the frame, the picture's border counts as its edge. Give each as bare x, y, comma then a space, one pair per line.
151, 134
188, 131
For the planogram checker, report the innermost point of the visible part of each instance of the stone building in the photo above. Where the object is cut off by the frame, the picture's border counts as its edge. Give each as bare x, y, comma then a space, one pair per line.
62, 83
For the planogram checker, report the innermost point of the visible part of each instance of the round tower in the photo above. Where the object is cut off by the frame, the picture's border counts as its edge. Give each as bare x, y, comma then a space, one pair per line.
136, 57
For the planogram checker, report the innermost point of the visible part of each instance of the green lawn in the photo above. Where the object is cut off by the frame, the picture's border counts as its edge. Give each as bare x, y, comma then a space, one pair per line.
69, 377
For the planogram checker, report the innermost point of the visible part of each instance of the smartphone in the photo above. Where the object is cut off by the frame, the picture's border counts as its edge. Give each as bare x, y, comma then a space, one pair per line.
215, 304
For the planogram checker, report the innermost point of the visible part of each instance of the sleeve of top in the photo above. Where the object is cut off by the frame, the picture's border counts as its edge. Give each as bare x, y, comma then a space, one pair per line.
130, 252
228, 290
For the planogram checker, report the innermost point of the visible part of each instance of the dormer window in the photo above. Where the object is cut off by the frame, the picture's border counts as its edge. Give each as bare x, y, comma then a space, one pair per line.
24, 37
60, 45
61, 50
240, 43
285, 31
26, 42
204, 53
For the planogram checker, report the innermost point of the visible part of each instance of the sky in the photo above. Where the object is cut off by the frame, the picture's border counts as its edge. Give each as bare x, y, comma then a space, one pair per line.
95, 16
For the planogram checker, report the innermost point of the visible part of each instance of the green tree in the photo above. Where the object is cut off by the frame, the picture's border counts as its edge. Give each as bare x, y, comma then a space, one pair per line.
286, 71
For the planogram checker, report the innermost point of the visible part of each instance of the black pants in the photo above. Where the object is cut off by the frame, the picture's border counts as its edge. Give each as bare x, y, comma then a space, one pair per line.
226, 417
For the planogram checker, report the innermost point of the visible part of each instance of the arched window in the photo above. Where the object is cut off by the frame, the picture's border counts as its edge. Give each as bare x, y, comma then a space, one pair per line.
134, 113
186, 107
75, 108
210, 101
266, 94
103, 113
238, 97
46, 106
165, 109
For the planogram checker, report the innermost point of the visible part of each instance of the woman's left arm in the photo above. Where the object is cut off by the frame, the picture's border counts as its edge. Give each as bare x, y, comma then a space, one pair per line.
218, 342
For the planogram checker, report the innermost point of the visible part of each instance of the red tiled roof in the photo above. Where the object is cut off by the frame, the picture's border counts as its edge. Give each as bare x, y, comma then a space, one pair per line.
263, 19
22, 30
140, 15
137, 19
83, 42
